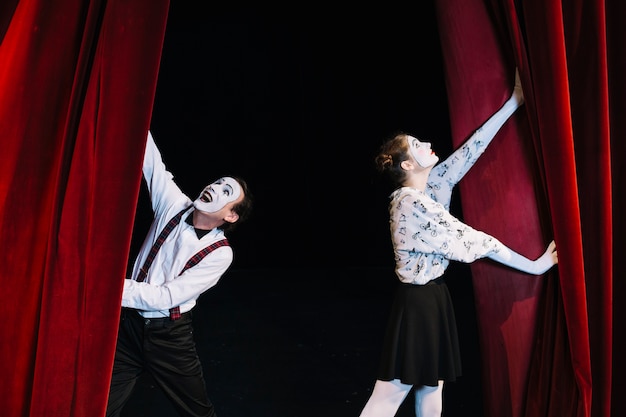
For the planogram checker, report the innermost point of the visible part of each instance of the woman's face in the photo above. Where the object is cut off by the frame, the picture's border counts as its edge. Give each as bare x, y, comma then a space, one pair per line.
422, 153
217, 195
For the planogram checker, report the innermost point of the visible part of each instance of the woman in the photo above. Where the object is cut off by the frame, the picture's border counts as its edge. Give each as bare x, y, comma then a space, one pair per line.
421, 345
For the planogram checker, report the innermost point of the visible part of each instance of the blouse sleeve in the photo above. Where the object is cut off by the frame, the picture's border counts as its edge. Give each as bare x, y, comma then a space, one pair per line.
430, 229
454, 168
459, 163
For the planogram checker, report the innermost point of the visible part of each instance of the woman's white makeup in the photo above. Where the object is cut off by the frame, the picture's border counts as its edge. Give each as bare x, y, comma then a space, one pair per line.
422, 152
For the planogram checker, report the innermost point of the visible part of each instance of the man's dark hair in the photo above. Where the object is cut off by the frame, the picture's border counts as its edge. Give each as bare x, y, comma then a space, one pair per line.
243, 208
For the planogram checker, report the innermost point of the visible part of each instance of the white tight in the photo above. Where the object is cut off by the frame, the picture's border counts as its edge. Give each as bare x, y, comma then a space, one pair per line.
387, 397
429, 400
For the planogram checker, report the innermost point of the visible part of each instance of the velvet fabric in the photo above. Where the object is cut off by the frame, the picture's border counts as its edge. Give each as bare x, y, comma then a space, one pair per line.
546, 342
78, 80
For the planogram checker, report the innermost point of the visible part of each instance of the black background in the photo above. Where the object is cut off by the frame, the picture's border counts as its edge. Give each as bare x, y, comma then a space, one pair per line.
298, 102
298, 106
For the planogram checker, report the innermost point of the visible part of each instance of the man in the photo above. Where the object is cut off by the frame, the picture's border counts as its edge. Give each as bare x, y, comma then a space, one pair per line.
184, 254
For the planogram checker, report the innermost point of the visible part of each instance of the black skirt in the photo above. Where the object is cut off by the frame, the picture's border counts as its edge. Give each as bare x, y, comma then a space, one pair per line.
421, 344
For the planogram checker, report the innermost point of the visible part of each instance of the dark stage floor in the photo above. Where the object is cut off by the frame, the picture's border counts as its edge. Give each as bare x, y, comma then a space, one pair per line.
304, 344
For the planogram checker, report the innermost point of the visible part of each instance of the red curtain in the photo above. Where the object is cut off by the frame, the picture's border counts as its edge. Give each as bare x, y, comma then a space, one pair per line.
546, 343
616, 61
78, 80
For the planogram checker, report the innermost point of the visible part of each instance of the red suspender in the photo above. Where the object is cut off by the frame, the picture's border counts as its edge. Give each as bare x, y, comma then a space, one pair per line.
175, 311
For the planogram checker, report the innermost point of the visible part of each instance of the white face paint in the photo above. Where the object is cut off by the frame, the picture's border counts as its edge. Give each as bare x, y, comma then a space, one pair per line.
216, 195
422, 152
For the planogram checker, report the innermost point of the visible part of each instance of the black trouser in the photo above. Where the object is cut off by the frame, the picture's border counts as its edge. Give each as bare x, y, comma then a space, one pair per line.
166, 350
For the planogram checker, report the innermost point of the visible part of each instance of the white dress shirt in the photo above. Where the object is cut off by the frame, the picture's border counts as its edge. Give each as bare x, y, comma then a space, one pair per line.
163, 288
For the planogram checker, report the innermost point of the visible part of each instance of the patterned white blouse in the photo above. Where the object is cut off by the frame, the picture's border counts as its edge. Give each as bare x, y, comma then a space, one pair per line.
425, 235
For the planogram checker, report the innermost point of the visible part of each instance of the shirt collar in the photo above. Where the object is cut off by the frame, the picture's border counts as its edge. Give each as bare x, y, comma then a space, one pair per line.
199, 232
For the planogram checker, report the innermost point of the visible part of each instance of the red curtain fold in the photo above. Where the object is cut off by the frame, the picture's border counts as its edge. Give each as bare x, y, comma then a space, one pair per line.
78, 81
573, 126
499, 196
546, 342
616, 62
